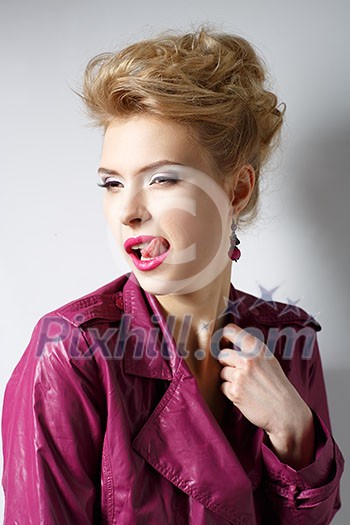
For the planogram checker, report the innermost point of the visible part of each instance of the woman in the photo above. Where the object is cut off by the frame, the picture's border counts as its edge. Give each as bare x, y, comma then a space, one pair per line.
168, 396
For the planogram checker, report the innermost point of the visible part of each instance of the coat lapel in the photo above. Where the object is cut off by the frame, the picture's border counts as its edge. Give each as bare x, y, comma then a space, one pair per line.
181, 439
155, 360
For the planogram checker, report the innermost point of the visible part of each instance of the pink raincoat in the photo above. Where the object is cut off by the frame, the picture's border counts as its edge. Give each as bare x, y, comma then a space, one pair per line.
103, 423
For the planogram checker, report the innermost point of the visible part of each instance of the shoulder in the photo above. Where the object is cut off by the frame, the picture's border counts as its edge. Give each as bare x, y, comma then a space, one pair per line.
105, 304
289, 332
61, 334
259, 311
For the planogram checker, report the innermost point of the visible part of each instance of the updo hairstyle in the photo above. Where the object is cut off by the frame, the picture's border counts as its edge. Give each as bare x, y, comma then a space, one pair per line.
212, 83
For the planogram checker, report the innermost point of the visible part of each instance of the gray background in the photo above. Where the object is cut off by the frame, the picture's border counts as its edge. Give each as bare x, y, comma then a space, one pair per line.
54, 242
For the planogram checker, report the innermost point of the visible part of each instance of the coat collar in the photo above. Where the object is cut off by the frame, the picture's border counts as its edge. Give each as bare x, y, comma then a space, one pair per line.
200, 462
156, 360
159, 361
160, 358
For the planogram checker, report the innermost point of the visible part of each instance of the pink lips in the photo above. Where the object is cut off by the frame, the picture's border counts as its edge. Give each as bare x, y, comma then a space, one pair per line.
144, 265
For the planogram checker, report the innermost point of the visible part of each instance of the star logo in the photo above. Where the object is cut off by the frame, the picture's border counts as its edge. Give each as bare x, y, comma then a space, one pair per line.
204, 326
291, 306
266, 295
311, 318
232, 307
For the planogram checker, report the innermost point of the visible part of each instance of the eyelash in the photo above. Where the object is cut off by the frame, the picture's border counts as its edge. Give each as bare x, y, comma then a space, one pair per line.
109, 184
161, 179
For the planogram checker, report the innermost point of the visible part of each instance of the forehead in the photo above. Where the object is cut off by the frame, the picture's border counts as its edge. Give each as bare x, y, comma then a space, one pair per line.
130, 144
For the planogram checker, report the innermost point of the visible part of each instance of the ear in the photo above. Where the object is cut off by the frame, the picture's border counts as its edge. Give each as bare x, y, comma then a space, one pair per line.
241, 188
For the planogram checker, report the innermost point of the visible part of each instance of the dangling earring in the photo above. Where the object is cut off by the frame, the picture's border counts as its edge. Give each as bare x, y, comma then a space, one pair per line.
234, 253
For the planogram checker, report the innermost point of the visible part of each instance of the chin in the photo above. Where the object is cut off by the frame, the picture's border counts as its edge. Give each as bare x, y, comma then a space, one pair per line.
161, 285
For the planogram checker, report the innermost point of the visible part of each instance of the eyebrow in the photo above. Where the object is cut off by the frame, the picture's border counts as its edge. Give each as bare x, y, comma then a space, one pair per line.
153, 165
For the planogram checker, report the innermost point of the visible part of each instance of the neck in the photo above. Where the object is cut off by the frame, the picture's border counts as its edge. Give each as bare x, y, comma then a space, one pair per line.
200, 311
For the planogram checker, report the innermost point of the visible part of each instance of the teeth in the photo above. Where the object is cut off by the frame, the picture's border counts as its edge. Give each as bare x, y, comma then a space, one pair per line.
140, 245
147, 251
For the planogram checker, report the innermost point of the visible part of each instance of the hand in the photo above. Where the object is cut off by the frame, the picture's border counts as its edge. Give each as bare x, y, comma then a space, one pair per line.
255, 382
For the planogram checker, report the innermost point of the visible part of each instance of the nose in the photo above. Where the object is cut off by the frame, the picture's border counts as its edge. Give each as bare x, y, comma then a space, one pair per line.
133, 209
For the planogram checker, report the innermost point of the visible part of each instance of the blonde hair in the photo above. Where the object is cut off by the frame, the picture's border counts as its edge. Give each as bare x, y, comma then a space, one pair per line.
213, 83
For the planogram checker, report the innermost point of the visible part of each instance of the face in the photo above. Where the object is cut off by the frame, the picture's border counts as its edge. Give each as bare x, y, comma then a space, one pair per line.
168, 213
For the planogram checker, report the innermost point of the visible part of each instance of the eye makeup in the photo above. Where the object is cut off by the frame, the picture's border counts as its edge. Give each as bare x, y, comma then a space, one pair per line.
167, 176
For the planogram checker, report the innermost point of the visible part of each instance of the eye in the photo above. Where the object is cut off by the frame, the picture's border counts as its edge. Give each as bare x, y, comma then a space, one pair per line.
110, 184
164, 179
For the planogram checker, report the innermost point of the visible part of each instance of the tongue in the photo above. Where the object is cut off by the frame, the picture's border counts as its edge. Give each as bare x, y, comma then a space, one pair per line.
156, 247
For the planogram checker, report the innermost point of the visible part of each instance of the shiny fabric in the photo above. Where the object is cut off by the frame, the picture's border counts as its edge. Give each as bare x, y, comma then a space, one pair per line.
104, 423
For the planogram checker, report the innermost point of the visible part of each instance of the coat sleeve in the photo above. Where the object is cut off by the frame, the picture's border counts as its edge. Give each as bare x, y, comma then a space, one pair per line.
52, 424
311, 495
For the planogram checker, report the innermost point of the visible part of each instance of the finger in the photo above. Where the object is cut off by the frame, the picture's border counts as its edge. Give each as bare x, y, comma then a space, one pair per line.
227, 373
234, 359
250, 345
229, 357
226, 389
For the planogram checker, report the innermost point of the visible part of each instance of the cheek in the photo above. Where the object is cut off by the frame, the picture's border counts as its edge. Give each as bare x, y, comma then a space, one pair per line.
195, 237
209, 229
107, 208
110, 209
178, 227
